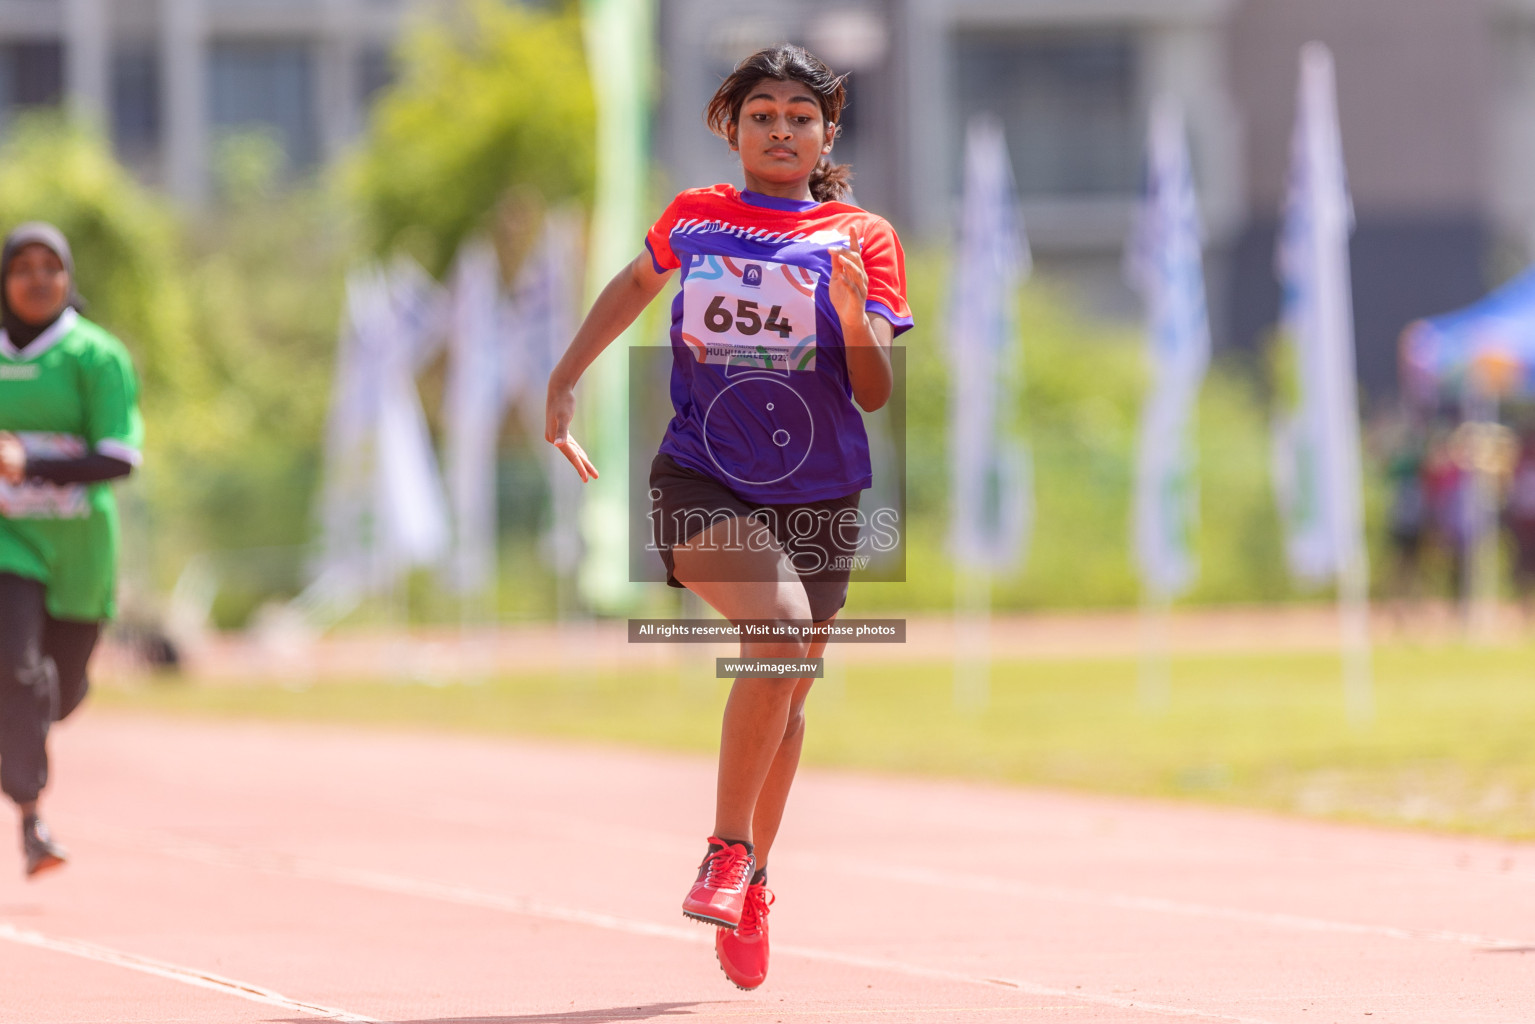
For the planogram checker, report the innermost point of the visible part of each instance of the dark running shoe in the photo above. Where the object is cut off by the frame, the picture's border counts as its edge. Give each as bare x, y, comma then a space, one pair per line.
43, 854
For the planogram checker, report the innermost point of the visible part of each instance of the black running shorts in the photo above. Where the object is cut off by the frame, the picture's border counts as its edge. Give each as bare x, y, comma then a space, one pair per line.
820, 537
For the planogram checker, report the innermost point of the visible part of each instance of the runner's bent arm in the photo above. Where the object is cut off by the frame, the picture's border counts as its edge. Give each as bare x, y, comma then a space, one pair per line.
866, 336
16, 468
93, 468
620, 303
868, 360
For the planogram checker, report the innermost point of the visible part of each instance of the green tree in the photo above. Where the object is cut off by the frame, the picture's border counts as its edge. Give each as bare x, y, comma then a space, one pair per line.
231, 318
268, 261
129, 269
491, 105
125, 241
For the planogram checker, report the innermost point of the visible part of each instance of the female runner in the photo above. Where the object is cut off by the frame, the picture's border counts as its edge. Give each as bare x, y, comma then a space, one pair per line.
69, 421
788, 306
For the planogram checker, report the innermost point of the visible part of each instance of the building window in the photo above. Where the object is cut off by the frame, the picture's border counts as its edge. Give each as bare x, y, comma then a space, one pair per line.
375, 72
1066, 101
266, 86
31, 75
136, 100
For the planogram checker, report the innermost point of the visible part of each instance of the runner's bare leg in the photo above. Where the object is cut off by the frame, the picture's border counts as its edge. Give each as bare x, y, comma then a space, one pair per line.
749, 578
775, 790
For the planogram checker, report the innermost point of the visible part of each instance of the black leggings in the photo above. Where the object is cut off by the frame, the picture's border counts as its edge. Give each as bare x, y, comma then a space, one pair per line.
42, 679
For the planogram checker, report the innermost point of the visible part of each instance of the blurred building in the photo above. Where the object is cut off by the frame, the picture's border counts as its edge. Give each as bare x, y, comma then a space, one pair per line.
1437, 102
168, 78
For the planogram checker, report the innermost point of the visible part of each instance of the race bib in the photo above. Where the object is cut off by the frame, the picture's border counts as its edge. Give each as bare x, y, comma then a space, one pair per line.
41, 500
750, 313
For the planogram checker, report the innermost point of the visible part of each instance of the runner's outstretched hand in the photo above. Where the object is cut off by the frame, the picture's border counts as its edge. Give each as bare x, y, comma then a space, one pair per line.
559, 410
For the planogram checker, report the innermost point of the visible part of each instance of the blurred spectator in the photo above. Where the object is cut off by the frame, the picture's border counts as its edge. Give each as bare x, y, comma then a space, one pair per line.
1447, 496
1519, 518
1408, 518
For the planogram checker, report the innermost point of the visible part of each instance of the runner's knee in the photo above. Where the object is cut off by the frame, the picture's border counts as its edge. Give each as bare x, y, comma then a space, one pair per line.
789, 614
785, 648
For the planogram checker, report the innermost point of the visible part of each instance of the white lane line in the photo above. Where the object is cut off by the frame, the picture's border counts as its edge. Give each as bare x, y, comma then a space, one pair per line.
997, 885
176, 972
377, 881
1154, 904
1031, 987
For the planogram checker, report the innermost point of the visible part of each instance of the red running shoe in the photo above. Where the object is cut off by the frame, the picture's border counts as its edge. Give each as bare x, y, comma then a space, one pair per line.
743, 953
719, 895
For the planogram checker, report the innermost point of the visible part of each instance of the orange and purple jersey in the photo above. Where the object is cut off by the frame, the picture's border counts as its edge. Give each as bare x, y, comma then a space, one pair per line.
760, 386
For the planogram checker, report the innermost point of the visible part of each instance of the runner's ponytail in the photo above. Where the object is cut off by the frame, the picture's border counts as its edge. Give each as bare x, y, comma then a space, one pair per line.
830, 182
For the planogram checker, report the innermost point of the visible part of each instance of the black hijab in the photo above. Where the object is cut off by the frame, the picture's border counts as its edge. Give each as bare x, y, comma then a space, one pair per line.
35, 232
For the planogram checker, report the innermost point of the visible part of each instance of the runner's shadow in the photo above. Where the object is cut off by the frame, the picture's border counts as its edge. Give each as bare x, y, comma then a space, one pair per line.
614, 1015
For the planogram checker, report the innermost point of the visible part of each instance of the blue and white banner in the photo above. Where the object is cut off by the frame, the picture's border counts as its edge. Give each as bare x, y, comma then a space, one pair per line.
402, 326
1316, 439
992, 490
1163, 263
344, 565
382, 504
474, 404
543, 305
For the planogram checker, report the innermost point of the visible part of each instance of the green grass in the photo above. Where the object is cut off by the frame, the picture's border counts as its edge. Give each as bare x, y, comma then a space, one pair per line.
1452, 745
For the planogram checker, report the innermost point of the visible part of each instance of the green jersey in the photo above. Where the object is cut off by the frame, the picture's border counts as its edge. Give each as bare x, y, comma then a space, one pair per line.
71, 392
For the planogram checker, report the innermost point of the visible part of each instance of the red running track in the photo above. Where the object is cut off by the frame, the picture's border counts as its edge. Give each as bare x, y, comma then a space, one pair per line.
236, 872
